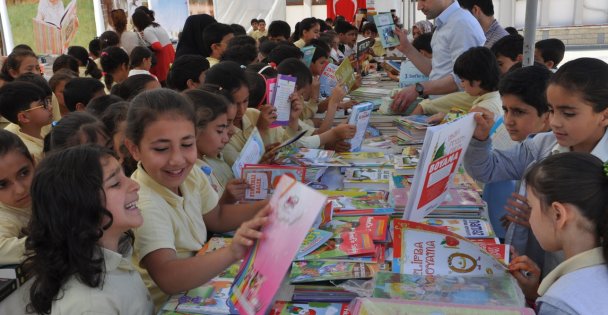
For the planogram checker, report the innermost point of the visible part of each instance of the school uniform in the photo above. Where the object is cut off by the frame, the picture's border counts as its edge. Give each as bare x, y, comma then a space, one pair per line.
257, 34
310, 110
221, 169
122, 291
171, 221
12, 239
212, 61
490, 101
210, 173
300, 43
33, 144
444, 103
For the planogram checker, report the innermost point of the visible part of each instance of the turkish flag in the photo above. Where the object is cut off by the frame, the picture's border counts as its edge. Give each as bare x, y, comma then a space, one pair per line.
345, 8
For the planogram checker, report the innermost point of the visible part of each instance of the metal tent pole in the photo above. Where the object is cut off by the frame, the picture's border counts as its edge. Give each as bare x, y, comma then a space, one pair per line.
530, 32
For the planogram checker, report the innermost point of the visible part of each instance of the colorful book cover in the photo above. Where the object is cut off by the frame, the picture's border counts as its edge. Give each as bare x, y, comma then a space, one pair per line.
295, 208
359, 117
410, 75
271, 89
308, 53
213, 244
363, 158
374, 201
263, 178
374, 306
497, 290
362, 49
328, 80
346, 74
375, 226
462, 198
345, 244
386, 29
55, 39
310, 308
469, 228
314, 239
440, 158
323, 270
367, 175
252, 153
211, 298
286, 85
307, 157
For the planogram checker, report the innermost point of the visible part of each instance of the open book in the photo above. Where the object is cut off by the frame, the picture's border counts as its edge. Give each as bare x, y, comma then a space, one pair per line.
55, 39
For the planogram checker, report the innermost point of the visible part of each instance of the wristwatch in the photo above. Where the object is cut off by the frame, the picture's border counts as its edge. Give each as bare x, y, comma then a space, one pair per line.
420, 89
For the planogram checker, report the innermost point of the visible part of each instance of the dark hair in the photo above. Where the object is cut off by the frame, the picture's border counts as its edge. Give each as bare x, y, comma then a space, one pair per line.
486, 6
74, 129
509, 46
257, 88
327, 37
213, 34
149, 105
191, 40
138, 54
279, 28
242, 50
11, 142
551, 49
16, 97
13, 62
238, 29
268, 71
23, 47
207, 105
141, 20
82, 55
298, 69
60, 76
324, 27
529, 85
307, 24
95, 47
553, 180
586, 76
253, 21
98, 105
296, 33
66, 224
423, 42
132, 86
266, 47
80, 90
343, 27
66, 62
511, 30
111, 118
147, 11
111, 59
184, 68
261, 21
108, 39
228, 77
321, 49
371, 26
478, 63
119, 20
284, 51
38, 80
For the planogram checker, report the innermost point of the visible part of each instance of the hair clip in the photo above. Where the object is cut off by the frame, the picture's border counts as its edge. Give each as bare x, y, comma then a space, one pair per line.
104, 53
243, 67
104, 74
272, 64
263, 69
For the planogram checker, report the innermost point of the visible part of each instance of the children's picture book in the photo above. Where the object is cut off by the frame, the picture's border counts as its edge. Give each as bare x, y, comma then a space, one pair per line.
214, 243
359, 117
496, 290
271, 89
310, 308
345, 244
294, 209
360, 159
374, 306
263, 178
469, 228
323, 270
314, 239
321, 293
362, 48
372, 203
386, 29
285, 86
252, 153
375, 226
440, 158
211, 298
54, 37
308, 53
409, 74
327, 80
308, 157
345, 74
367, 178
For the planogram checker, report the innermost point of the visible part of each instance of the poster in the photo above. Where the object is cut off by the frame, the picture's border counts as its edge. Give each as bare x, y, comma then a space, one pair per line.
345, 8
129, 6
171, 15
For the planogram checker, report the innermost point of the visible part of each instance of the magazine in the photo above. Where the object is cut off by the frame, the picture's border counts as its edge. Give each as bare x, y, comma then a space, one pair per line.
308, 53
386, 29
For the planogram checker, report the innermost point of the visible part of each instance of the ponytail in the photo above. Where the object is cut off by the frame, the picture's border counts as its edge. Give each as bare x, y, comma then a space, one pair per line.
111, 59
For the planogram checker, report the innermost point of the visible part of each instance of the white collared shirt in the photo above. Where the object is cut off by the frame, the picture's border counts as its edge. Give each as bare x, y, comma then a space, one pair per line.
600, 150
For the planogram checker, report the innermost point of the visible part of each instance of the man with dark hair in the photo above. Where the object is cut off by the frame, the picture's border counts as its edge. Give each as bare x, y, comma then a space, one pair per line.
261, 31
279, 31
215, 40
254, 26
508, 50
187, 72
483, 11
549, 52
78, 92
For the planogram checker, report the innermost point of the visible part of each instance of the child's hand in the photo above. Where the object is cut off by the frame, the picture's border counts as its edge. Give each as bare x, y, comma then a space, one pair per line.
316, 83
404, 42
235, 188
268, 115
358, 82
342, 146
484, 121
337, 94
297, 105
345, 131
436, 119
527, 273
248, 233
518, 209
269, 154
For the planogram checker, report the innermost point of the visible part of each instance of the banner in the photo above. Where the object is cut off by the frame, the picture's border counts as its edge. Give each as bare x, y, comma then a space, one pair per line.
345, 8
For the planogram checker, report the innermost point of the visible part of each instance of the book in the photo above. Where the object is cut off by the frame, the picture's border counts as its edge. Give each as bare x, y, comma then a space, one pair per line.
375, 226
410, 75
359, 117
285, 86
362, 48
367, 178
327, 80
321, 293
211, 298
308, 157
323, 270
372, 203
213, 244
316, 308
373, 306
14, 272
440, 158
271, 89
314, 239
7, 286
55, 39
308, 53
469, 228
251, 153
386, 29
345, 244
345, 74
263, 178
499, 290
295, 208
361, 159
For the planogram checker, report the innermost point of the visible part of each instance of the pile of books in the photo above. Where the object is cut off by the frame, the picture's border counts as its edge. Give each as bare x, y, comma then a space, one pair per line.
412, 129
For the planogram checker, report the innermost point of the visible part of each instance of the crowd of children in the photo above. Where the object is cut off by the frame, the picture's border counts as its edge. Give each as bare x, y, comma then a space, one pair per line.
114, 171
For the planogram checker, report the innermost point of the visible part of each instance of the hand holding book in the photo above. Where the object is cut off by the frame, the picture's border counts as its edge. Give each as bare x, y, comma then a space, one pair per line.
268, 115
248, 233
485, 121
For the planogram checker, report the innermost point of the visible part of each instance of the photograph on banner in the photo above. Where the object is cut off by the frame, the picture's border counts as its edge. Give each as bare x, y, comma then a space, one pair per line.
128, 6
201, 7
170, 15
55, 24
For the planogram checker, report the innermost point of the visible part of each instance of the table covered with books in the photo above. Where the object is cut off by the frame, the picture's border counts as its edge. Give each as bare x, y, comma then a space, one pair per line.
395, 227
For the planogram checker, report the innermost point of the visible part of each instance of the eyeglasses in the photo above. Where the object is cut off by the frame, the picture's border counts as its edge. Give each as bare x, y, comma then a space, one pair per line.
45, 103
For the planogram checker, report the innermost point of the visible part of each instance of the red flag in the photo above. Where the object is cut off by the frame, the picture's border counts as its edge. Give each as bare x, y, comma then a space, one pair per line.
345, 8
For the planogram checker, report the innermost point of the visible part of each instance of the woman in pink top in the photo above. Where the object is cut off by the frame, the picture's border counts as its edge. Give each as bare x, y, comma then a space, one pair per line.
158, 39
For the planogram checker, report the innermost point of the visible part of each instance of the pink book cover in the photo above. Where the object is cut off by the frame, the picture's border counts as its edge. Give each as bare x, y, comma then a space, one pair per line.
294, 209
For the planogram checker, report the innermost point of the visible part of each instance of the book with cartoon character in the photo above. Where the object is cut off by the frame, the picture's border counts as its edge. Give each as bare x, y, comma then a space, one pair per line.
343, 245
323, 270
211, 298
374, 306
310, 308
440, 157
294, 209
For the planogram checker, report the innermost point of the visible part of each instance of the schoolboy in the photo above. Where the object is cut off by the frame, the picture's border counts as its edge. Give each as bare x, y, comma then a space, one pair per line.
261, 31
254, 26
78, 92
279, 31
508, 50
215, 41
187, 72
347, 34
371, 31
549, 52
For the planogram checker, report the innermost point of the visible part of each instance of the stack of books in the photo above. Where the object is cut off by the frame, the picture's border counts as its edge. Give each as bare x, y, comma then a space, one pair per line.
412, 129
